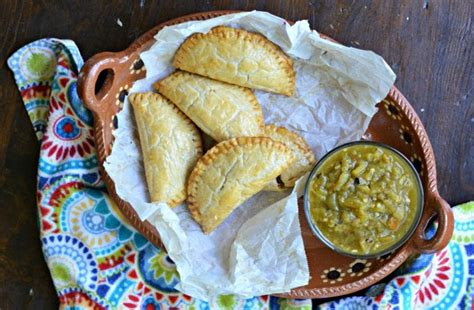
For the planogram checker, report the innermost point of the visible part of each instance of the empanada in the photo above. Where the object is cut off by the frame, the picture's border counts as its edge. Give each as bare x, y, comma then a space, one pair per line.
238, 57
171, 145
303, 154
221, 110
230, 173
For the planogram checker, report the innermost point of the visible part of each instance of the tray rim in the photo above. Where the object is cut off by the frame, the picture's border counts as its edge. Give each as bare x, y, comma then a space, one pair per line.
150, 232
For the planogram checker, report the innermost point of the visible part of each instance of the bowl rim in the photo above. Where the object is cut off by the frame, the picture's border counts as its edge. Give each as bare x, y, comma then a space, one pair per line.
419, 211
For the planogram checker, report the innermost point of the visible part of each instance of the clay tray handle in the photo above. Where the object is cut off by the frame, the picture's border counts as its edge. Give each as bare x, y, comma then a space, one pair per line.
436, 207
93, 91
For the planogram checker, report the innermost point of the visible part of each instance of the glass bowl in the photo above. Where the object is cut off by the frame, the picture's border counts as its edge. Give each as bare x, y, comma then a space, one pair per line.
320, 235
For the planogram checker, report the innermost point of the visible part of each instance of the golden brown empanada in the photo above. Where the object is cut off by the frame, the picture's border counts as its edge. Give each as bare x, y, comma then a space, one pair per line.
171, 145
230, 173
221, 110
238, 57
303, 154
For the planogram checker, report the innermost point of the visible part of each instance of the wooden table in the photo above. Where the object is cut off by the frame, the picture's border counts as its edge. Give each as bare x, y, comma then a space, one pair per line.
429, 45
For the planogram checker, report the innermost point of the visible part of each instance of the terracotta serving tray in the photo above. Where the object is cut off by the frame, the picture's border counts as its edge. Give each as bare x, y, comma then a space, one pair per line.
103, 85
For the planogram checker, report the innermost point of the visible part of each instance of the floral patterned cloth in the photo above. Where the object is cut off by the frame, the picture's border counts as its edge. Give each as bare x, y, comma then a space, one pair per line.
97, 260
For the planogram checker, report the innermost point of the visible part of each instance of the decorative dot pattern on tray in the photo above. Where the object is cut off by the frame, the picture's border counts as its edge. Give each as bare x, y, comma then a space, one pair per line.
121, 95
137, 66
405, 135
359, 267
417, 163
332, 275
384, 257
392, 110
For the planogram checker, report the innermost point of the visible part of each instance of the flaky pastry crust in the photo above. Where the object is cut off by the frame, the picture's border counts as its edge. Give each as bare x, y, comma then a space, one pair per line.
221, 110
304, 156
230, 173
171, 145
238, 57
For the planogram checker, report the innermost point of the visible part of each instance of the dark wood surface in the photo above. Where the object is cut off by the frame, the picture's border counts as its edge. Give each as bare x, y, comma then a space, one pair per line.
429, 45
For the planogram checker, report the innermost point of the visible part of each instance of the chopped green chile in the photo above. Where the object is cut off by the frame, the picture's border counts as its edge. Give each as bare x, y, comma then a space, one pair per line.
364, 199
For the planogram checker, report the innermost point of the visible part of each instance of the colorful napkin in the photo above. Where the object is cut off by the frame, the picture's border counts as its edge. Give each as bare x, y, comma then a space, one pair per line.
97, 260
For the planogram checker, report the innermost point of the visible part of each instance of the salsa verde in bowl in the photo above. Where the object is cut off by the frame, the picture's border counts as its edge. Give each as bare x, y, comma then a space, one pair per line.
363, 199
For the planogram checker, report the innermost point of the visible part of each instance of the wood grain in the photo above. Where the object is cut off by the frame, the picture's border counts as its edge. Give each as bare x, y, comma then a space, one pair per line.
430, 49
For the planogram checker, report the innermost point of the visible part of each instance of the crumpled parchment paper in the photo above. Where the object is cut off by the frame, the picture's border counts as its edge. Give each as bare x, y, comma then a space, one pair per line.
258, 249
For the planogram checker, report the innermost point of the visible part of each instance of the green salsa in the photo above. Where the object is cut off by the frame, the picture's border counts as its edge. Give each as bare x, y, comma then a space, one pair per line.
364, 198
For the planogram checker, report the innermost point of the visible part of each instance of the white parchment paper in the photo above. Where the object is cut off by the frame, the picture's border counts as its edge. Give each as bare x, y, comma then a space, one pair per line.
258, 249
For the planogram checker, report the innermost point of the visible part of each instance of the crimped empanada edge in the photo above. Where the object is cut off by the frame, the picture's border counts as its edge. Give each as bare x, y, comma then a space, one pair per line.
298, 140
219, 150
286, 63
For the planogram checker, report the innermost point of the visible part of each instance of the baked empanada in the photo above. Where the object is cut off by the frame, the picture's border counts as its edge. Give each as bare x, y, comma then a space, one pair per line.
304, 157
171, 145
221, 110
238, 57
230, 173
